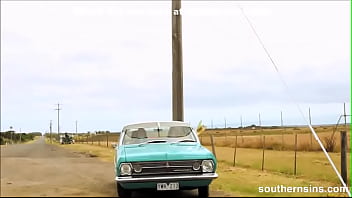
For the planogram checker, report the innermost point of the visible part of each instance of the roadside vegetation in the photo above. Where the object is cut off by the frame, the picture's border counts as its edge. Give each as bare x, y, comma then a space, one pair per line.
10, 137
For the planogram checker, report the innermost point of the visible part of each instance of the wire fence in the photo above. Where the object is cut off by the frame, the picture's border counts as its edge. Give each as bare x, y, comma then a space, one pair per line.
285, 150
105, 140
276, 138
265, 152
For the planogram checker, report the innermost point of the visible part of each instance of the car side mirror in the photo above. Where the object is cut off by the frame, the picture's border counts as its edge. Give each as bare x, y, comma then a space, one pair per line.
114, 145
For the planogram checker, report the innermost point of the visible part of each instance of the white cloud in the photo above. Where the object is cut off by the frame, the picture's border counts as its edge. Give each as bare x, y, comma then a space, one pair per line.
111, 61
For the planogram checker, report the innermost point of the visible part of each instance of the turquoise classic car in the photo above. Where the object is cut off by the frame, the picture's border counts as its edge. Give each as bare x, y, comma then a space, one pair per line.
162, 156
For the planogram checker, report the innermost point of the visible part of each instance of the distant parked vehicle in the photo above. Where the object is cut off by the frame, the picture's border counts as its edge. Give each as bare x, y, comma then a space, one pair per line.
162, 156
66, 139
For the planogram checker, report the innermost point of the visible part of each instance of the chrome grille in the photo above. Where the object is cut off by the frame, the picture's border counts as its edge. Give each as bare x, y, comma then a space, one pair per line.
166, 167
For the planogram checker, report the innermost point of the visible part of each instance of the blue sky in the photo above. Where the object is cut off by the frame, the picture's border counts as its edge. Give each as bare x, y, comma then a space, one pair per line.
109, 63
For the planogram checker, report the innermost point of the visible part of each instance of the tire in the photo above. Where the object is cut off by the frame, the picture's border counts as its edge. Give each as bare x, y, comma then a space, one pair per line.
203, 191
123, 192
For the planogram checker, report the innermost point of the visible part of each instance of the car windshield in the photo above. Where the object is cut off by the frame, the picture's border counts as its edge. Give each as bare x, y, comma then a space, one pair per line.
158, 135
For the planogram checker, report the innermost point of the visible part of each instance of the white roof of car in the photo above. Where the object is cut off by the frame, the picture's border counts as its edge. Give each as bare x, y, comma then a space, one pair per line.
155, 124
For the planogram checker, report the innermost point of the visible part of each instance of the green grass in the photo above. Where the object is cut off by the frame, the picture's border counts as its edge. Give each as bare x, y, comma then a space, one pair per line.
246, 182
310, 165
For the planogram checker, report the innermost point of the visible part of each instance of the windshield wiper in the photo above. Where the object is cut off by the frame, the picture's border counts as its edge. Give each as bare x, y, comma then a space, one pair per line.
186, 140
156, 141
152, 141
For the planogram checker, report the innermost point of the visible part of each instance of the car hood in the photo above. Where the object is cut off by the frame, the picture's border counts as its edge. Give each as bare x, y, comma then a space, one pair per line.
166, 151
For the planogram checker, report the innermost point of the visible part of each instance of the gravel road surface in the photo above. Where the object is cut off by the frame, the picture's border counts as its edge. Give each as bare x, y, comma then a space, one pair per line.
43, 170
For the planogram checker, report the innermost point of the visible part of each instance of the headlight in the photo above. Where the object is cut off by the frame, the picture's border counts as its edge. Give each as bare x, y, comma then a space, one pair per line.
196, 165
125, 169
207, 166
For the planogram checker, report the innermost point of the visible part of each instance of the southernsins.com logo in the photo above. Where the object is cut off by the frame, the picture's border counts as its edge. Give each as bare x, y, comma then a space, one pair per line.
303, 189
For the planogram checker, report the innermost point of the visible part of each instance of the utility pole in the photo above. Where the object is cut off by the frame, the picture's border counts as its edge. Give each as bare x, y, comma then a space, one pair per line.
58, 120
282, 121
76, 127
344, 114
311, 136
225, 122
51, 141
11, 134
310, 118
282, 133
241, 121
20, 135
260, 123
177, 70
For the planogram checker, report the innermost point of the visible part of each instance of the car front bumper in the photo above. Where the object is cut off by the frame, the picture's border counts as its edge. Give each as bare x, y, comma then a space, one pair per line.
204, 176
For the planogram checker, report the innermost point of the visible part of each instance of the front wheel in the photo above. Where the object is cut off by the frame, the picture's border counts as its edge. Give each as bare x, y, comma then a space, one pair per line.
203, 191
122, 191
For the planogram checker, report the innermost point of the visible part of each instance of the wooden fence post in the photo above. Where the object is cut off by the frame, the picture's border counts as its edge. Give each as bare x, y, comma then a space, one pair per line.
212, 145
234, 154
295, 161
263, 152
282, 141
107, 140
343, 156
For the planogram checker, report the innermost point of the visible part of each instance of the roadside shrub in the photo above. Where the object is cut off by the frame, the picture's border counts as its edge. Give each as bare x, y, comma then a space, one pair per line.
329, 144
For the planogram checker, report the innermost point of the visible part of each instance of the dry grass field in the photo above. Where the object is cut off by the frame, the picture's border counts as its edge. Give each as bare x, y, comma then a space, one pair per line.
275, 138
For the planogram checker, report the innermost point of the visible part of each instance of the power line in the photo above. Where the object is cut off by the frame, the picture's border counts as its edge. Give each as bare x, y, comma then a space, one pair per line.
293, 99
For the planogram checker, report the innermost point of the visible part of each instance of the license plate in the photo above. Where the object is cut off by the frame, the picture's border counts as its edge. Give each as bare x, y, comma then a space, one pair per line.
167, 186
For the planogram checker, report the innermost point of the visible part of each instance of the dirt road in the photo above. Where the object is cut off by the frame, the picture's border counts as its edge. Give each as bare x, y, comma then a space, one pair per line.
43, 170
